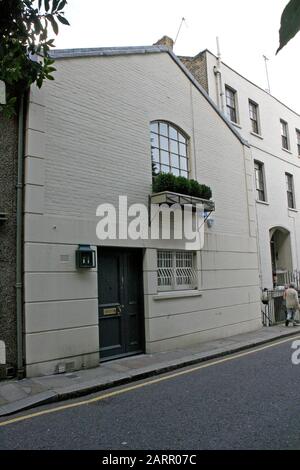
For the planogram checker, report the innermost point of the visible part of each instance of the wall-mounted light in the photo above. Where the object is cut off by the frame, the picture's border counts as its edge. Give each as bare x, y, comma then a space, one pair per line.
210, 222
85, 257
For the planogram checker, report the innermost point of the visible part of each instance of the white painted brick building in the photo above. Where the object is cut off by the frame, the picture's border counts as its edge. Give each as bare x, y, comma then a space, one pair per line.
278, 217
87, 142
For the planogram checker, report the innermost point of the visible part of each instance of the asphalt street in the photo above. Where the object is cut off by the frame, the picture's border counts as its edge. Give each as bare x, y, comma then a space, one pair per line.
247, 401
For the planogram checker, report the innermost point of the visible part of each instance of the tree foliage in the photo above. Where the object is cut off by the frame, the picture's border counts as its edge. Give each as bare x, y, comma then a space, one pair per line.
25, 45
290, 23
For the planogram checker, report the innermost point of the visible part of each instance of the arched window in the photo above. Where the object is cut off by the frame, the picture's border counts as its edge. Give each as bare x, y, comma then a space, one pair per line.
169, 149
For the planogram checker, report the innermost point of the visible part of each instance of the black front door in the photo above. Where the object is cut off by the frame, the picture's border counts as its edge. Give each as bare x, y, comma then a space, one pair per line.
120, 287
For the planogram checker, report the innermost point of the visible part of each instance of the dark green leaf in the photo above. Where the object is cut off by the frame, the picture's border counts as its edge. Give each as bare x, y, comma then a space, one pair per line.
55, 4
63, 20
47, 5
53, 23
290, 23
40, 4
62, 4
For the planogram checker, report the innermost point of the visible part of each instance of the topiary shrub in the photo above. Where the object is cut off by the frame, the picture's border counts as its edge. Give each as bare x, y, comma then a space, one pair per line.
164, 182
205, 191
182, 185
195, 188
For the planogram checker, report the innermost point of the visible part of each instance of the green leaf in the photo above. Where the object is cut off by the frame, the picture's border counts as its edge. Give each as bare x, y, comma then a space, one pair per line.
290, 23
53, 23
63, 20
62, 4
47, 5
54, 6
40, 4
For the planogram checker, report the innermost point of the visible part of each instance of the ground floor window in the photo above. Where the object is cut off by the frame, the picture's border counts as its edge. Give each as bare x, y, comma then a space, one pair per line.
176, 270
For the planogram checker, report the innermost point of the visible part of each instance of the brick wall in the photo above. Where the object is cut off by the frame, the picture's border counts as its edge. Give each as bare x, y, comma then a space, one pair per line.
198, 67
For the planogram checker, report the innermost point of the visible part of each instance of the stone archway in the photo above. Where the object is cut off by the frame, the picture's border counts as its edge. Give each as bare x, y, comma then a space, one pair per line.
281, 254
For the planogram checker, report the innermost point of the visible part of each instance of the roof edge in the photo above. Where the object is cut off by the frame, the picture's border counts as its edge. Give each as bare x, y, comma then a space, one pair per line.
114, 51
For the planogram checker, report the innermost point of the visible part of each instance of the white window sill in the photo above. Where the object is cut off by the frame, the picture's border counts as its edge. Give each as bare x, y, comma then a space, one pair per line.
256, 135
292, 209
235, 124
177, 294
286, 150
265, 203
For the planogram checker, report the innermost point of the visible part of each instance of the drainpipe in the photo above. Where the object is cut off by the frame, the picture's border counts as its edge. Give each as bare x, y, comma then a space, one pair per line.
219, 81
19, 241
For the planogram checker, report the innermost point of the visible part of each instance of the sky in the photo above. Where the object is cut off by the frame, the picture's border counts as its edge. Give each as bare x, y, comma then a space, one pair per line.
247, 30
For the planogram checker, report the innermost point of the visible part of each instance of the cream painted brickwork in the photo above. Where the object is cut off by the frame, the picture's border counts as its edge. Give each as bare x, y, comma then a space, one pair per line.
267, 148
87, 143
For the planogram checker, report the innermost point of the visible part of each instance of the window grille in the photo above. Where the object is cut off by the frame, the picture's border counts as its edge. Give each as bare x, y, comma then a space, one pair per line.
176, 270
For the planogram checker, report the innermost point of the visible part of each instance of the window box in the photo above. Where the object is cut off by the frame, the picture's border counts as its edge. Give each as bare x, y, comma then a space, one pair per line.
169, 197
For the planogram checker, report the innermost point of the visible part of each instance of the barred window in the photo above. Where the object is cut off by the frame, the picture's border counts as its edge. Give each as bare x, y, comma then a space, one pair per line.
169, 149
176, 270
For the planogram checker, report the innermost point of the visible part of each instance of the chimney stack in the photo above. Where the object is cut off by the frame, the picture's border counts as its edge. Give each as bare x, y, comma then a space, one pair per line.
165, 41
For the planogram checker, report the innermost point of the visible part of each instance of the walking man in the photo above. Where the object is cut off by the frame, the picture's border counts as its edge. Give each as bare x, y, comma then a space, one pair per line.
292, 304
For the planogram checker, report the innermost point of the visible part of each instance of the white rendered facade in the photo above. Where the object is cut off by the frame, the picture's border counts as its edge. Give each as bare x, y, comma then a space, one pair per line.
267, 150
87, 143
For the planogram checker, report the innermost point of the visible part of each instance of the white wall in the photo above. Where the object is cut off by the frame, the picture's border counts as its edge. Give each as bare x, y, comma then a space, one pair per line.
88, 142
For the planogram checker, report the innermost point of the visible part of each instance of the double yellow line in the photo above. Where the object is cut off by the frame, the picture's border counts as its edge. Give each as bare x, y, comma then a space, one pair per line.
143, 384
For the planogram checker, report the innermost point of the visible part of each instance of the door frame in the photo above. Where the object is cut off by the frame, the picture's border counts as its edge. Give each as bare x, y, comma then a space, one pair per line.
141, 252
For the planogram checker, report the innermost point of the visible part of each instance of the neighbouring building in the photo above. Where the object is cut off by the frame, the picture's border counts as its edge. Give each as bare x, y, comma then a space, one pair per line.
273, 132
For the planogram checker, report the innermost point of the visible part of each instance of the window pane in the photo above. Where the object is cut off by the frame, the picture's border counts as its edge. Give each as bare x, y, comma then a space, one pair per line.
154, 140
163, 143
184, 173
176, 171
164, 157
173, 134
182, 150
163, 129
155, 154
181, 138
183, 163
174, 160
165, 169
154, 127
173, 146
232, 115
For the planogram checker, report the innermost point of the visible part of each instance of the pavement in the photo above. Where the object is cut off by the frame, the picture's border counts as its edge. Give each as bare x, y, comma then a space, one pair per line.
17, 395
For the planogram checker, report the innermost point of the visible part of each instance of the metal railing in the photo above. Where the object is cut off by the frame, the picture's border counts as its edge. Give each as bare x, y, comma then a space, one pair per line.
288, 277
273, 307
